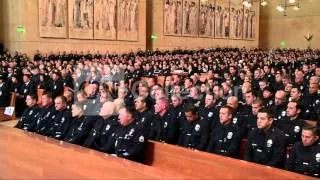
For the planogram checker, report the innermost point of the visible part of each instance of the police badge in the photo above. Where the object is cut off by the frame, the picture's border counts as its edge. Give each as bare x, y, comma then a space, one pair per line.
235, 120
108, 127
318, 157
131, 132
269, 143
229, 136
141, 139
165, 125
197, 127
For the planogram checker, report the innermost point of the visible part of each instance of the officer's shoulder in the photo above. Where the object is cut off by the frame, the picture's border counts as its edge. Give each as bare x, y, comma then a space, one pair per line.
297, 145
276, 131
253, 132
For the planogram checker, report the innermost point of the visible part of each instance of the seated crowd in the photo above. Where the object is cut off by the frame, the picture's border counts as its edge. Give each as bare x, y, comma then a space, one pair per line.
269, 97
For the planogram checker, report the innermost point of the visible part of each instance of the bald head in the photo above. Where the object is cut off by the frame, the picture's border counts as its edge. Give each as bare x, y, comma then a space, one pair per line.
280, 97
233, 102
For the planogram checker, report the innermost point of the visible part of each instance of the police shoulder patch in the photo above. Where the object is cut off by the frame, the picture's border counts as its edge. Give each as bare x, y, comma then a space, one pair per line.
230, 134
197, 127
141, 139
269, 143
318, 157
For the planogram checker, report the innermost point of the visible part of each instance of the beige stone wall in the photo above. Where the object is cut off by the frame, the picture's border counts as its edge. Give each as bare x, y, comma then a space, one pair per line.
274, 27
170, 42
25, 12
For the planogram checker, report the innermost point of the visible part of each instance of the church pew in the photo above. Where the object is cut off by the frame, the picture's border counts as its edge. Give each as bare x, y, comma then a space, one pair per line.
31, 156
4, 117
243, 147
202, 165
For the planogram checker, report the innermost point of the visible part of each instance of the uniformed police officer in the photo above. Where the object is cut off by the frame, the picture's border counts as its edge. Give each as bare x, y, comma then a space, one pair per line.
292, 125
225, 137
251, 121
143, 115
210, 109
56, 88
60, 122
164, 126
305, 155
29, 116
195, 129
80, 125
101, 136
47, 110
280, 106
266, 144
178, 107
27, 88
130, 138
268, 99
312, 102
194, 97
239, 113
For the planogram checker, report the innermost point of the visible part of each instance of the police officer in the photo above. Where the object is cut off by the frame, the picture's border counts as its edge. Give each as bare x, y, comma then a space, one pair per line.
195, 129
280, 106
27, 88
266, 144
80, 125
130, 138
292, 125
178, 106
56, 88
268, 99
194, 97
210, 109
305, 155
101, 136
164, 126
240, 113
60, 122
143, 115
312, 102
225, 137
29, 116
251, 120
47, 110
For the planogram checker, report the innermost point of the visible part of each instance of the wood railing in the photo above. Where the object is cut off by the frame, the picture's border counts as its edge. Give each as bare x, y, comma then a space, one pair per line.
203, 165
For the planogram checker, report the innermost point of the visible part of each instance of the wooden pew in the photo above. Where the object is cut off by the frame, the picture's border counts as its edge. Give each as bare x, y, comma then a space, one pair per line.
243, 147
202, 165
4, 117
31, 156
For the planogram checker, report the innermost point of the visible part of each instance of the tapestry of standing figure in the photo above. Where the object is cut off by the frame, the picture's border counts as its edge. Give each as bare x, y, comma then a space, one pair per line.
208, 19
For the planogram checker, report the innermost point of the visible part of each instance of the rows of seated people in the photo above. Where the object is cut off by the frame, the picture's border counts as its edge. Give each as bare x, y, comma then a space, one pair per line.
264, 96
